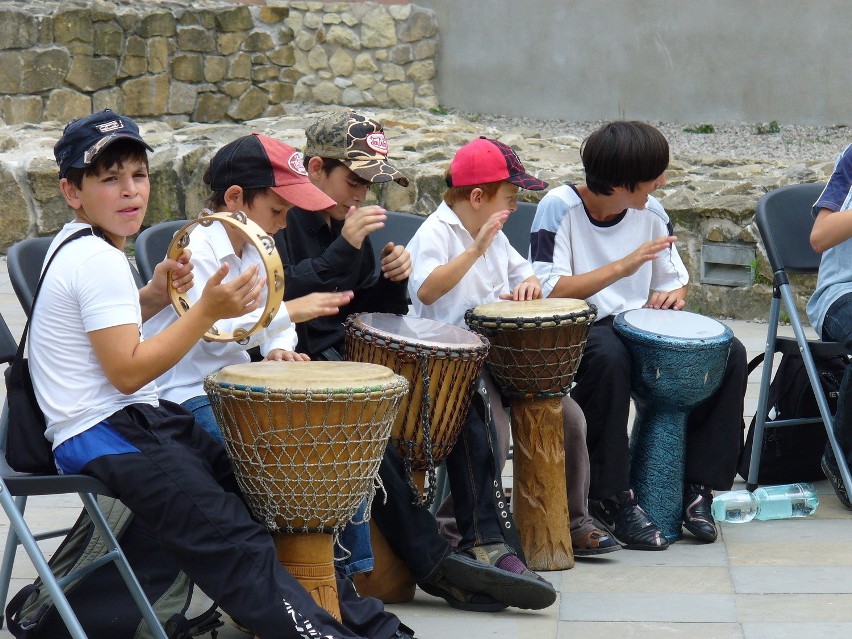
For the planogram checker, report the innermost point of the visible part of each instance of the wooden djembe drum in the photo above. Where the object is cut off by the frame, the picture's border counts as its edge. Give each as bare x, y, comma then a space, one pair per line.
306, 440
536, 348
442, 363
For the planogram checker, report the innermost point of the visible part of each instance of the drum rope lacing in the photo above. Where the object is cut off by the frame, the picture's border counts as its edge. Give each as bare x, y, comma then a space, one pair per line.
528, 358
420, 452
426, 423
291, 475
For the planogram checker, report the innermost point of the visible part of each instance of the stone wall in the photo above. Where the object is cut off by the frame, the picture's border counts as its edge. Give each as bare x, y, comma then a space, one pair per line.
210, 61
711, 200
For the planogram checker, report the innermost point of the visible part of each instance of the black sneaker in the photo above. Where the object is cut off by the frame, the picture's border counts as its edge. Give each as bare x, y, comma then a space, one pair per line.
832, 473
444, 583
697, 517
624, 518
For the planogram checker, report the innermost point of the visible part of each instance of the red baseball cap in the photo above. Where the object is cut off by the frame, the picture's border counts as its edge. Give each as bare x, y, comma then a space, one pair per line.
482, 161
256, 161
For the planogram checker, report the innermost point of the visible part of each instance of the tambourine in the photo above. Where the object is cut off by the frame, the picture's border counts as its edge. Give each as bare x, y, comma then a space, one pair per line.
265, 247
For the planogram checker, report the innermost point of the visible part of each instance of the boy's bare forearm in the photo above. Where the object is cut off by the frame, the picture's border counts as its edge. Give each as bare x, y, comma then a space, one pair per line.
446, 277
830, 229
585, 285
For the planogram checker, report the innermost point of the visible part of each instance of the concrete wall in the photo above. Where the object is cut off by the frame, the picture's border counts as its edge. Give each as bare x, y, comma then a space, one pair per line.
665, 60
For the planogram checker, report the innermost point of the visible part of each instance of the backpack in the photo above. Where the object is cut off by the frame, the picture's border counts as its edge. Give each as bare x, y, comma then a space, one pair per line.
792, 454
100, 598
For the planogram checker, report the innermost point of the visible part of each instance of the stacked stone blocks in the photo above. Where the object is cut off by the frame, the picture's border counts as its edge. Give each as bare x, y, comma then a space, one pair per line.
210, 61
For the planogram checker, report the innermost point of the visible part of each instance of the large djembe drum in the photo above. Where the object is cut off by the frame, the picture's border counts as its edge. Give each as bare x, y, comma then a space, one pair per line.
305, 440
678, 361
442, 363
536, 348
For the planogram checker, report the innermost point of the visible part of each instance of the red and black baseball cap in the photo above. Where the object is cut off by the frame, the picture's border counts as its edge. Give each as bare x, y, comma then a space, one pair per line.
84, 139
256, 161
482, 161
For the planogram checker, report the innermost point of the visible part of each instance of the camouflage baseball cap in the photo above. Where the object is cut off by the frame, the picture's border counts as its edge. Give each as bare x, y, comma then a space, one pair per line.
357, 141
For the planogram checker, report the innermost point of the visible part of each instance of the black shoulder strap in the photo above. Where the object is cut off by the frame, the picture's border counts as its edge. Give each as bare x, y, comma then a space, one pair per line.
74, 236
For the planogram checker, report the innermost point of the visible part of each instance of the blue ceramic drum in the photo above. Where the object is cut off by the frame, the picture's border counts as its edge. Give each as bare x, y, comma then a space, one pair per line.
678, 360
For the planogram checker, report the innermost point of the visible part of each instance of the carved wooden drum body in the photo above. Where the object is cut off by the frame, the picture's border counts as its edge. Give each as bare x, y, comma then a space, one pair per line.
536, 348
442, 362
306, 440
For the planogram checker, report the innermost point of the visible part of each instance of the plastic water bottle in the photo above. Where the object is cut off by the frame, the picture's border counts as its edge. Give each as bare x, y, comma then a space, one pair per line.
791, 500
769, 502
734, 507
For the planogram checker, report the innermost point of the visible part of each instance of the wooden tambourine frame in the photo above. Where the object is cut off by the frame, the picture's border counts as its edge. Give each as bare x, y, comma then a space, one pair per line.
264, 245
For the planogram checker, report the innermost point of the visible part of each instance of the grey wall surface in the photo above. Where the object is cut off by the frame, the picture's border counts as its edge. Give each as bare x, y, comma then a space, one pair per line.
667, 60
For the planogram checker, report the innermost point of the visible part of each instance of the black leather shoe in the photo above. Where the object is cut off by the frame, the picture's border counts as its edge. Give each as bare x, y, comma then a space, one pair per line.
625, 520
832, 473
697, 517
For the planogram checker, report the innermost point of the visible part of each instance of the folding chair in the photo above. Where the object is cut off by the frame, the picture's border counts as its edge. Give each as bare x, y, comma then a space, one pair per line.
784, 220
517, 227
151, 246
24, 261
399, 229
16, 487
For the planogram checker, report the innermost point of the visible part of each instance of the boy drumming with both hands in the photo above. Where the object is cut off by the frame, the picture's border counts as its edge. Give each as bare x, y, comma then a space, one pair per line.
345, 154
462, 259
93, 376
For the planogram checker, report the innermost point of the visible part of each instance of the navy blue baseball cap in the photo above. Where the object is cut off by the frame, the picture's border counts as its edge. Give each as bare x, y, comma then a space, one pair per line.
84, 139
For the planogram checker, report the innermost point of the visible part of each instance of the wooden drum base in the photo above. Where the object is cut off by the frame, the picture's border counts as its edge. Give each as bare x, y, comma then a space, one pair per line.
310, 559
390, 580
539, 498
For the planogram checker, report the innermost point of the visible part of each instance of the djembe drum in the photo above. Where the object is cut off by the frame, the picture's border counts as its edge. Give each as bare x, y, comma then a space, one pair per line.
306, 440
536, 347
442, 363
678, 361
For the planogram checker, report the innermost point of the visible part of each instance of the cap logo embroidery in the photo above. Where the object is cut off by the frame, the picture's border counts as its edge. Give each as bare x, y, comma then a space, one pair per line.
96, 148
378, 142
296, 162
108, 127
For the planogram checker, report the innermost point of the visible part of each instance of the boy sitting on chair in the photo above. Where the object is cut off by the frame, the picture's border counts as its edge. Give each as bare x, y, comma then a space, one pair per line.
93, 376
610, 243
830, 307
462, 259
345, 154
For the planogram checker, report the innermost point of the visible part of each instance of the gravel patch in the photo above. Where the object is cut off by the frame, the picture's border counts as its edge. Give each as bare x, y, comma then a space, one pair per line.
785, 143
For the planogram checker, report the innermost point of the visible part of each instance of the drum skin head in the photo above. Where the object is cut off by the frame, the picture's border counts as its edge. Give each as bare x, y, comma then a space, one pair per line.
678, 324
532, 308
426, 332
306, 375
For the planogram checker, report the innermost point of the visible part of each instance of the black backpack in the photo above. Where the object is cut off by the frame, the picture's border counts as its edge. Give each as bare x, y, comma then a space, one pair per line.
792, 454
100, 599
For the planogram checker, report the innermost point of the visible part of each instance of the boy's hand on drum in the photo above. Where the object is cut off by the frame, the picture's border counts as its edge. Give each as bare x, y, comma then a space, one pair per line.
648, 251
280, 355
396, 262
361, 222
314, 305
666, 300
525, 291
235, 298
489, 230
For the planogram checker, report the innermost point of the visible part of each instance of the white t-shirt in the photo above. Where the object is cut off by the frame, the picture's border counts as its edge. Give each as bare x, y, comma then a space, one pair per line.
565, 240
211, 248
442, 237
88, 287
